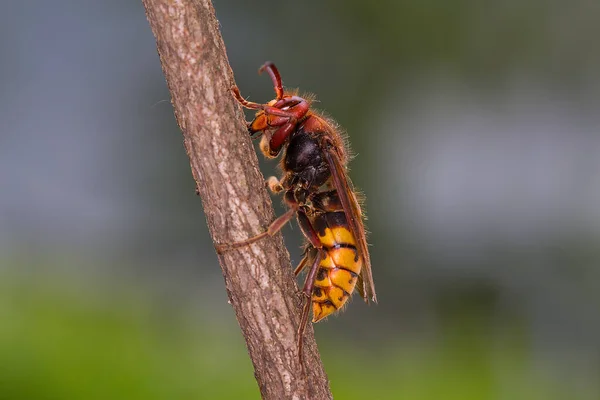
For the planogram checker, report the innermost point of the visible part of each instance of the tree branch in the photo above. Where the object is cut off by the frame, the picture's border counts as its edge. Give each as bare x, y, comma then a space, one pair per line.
258, 278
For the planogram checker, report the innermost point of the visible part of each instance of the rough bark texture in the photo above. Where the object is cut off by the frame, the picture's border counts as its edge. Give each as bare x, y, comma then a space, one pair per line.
258, 278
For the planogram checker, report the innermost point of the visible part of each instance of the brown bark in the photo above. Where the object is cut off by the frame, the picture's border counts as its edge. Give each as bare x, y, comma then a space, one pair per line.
258, 278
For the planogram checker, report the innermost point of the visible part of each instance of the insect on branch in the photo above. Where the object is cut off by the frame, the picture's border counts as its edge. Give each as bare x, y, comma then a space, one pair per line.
259, 279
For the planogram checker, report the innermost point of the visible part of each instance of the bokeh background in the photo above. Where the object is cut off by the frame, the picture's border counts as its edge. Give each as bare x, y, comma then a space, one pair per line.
477, 136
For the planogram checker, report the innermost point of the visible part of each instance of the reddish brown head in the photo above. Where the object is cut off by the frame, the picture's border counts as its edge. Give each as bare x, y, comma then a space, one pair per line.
278, 118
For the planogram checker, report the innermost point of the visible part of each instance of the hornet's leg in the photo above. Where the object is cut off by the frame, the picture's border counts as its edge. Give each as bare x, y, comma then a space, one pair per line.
308, 231
272, 230
274, 185
257, 106
309, 285
301, 265
309, 255
316, 254
248, 104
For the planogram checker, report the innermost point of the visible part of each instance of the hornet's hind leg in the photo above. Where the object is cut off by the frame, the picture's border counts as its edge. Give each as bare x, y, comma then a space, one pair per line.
316, 254
309, 285
309, 255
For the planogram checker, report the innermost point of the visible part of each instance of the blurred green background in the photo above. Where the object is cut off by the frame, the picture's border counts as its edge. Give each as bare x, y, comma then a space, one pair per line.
477, 136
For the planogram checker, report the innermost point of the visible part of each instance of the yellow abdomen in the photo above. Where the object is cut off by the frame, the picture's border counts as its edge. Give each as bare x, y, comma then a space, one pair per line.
338, 271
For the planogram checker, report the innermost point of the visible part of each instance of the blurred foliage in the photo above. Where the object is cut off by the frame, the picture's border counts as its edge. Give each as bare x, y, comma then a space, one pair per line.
61, 341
